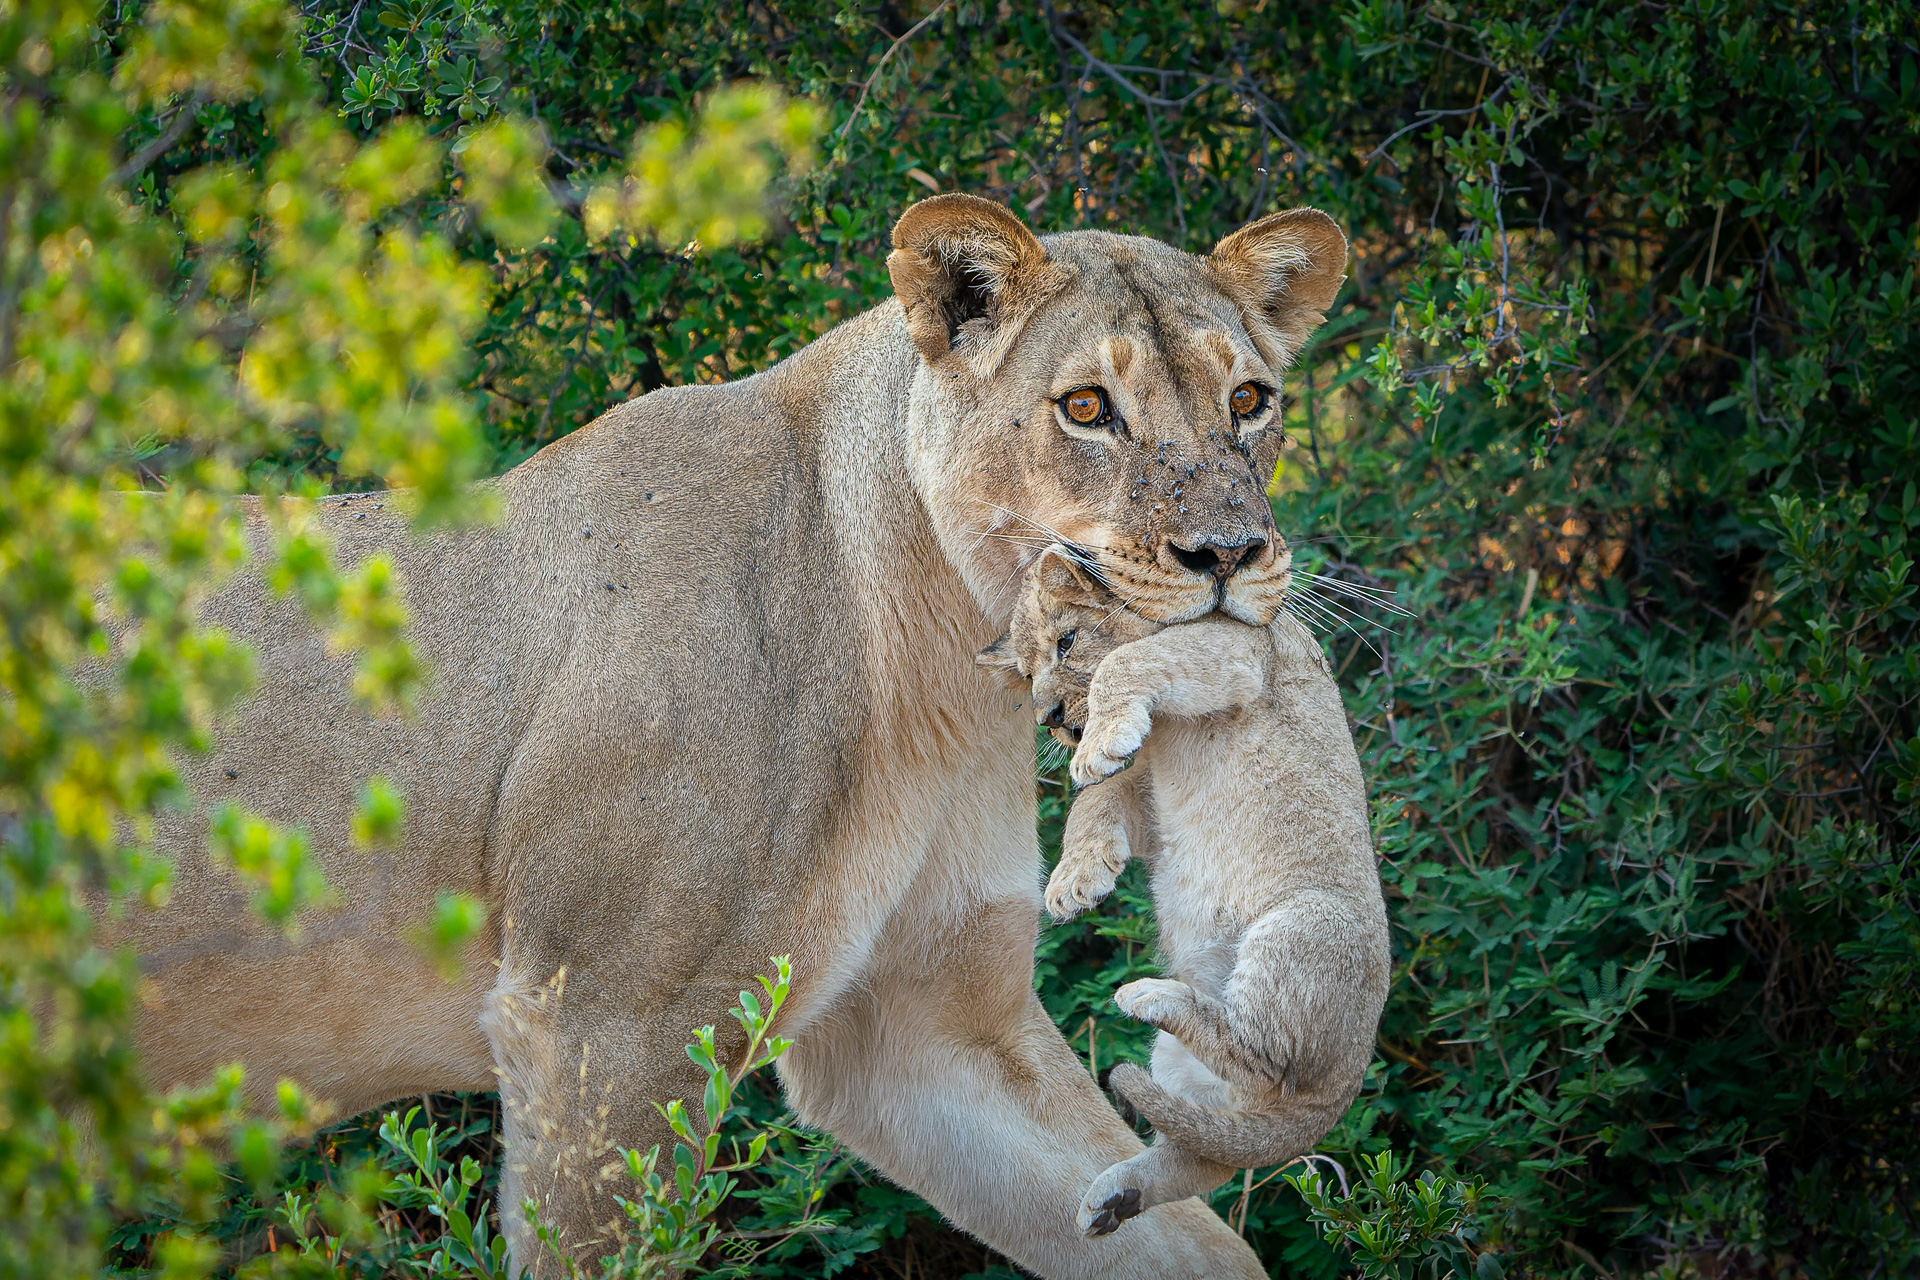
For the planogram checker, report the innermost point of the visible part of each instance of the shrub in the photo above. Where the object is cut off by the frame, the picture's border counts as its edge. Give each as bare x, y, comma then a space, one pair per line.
175, 337
1620, 402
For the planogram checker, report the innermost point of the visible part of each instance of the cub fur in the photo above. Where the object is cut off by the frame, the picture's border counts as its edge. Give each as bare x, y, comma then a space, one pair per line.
1247, 799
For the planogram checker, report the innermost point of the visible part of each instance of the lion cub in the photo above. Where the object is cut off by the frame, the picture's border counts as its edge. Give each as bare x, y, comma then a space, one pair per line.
1247, 800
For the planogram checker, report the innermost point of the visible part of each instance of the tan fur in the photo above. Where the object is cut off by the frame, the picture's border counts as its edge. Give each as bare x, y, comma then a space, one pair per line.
704, 696
1247, 798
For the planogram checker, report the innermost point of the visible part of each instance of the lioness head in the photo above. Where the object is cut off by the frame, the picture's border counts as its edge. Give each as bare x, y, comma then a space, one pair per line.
1064, 623
1111, 394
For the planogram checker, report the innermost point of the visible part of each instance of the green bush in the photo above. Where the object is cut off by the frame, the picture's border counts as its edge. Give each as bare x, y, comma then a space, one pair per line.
168, 337
1620, 402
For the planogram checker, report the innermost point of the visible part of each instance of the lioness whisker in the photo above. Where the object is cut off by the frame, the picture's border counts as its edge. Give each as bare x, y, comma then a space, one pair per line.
1383, 597
1357, 586
1073, 550
1012, 578
1051, 541
1353, 588
1335, 607
1309, 609
1306, 612
1023, 540
1126, 602
1335, 622
1292, 541
1295, 605
1041, 525
981, 536
1344, 621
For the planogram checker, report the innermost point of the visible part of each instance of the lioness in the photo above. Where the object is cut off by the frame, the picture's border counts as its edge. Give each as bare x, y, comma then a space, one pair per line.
770, 589
1247, 798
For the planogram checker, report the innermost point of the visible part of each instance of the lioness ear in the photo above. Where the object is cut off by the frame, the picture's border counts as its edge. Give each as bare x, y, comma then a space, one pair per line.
1284, 271
1063, 578
969, 275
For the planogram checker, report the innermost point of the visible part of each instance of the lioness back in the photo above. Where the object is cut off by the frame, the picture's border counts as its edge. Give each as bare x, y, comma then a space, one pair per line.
674, 547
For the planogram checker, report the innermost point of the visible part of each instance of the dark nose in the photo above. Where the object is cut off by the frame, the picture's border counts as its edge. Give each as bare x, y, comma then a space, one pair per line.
1219, 559
1056, 718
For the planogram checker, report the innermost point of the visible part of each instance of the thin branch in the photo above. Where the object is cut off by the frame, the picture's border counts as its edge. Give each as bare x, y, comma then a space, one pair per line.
892, 49
784, 1233
1114, 73
183, 116
1428, 119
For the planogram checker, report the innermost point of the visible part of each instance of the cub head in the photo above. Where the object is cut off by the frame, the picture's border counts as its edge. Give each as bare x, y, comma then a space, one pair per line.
1064, 623
1110, 394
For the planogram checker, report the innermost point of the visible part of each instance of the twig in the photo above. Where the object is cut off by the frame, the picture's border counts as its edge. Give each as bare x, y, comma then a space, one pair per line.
1308, 1159
1114, 73
772, 1233
1553, 32
1713, 254
1429, 118
185, 114
1652, 366
1586, 1257
892, 49
1173, 175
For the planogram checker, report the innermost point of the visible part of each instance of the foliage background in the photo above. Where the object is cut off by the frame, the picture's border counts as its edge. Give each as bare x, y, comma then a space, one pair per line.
1621, 399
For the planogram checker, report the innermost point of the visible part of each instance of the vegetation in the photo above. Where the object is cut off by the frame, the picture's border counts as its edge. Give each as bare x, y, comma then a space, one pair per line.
1621, 402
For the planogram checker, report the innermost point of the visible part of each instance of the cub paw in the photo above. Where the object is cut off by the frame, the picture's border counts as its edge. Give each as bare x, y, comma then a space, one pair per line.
1107, 1203
1107, 746
1077, 884
1154, 1001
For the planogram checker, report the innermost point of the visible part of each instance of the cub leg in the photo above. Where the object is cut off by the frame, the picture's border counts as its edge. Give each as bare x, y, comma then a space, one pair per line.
1194, 669
1204, 1026
1176, 1070
1164, 1172
1096, 846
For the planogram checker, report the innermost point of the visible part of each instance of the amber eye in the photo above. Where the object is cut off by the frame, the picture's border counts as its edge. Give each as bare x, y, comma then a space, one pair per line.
1087, 406
1247, 399
1066, 643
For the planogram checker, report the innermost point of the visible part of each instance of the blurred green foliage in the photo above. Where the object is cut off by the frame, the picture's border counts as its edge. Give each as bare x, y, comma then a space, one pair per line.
1620, 401
175, 319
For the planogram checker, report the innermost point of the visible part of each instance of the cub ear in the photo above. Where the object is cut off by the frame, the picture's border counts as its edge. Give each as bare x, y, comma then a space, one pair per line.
1064, 578
998, 658
1284, 271
969, 275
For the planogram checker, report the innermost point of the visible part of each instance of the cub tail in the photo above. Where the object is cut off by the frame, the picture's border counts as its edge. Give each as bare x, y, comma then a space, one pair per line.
1242, 1139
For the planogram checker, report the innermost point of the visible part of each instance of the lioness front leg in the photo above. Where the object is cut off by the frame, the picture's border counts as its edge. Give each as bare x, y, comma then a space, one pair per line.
942, 1069
1095, 847
1195, 669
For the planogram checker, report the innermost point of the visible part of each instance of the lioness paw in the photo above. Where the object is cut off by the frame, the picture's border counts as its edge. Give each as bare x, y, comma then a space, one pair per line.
1154, 1001
1076, 884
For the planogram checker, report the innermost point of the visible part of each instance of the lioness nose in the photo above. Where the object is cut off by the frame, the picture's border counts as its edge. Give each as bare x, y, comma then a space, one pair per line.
1217, 558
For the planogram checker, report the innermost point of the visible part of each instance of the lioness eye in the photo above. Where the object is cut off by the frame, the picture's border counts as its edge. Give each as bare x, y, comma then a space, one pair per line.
1087, 406
1247, 399
1066, 643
